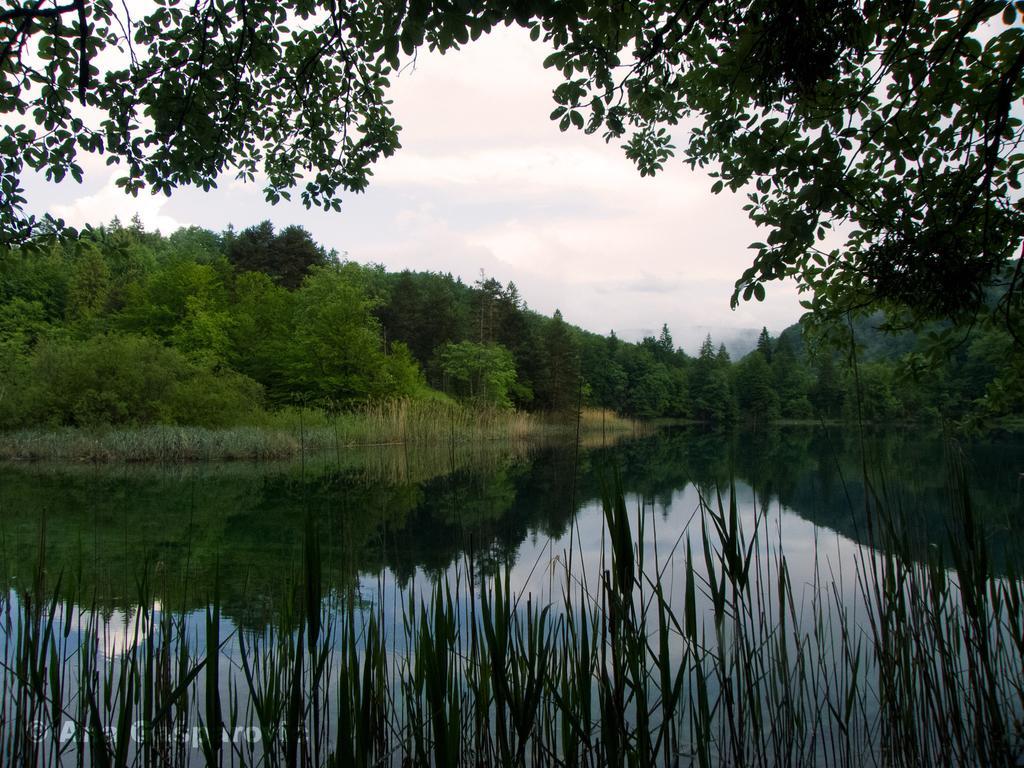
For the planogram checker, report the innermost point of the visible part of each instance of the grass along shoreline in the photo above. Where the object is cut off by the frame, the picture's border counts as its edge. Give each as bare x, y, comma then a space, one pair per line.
295, 431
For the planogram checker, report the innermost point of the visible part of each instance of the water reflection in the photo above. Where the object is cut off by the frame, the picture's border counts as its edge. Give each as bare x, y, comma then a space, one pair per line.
406, 513
136, 554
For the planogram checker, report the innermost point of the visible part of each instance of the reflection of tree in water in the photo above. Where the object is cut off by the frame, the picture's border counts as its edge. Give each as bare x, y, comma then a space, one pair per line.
819, 474
909, 487
488, 516
243, 524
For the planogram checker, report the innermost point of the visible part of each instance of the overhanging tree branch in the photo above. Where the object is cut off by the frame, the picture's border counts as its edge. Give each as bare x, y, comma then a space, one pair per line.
36, 12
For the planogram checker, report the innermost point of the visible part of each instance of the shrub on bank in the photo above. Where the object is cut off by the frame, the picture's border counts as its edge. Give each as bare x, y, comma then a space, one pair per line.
123, 380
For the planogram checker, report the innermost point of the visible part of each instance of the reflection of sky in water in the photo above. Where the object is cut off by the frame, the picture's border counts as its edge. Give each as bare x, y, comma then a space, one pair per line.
810, 518
813, 554
245, 522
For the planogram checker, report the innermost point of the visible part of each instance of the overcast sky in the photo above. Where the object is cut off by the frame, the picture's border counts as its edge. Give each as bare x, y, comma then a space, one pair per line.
484, 180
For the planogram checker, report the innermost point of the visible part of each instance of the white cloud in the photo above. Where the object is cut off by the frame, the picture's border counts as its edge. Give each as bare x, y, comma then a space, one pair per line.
486, 180
109, 201
531, 169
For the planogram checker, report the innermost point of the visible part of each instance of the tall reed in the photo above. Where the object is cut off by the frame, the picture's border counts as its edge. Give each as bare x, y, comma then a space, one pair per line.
726, 663
294, 431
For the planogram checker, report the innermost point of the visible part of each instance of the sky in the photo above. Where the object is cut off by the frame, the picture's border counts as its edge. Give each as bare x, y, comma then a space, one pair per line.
486, 181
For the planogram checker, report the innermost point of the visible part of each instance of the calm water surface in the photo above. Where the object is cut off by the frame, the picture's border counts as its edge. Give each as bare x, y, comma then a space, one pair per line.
394, 520
405, 516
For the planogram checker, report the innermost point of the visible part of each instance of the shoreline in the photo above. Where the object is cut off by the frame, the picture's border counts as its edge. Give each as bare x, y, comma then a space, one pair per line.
380, 427
388, 426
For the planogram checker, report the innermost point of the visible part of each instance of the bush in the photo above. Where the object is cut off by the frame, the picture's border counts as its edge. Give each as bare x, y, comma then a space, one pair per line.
122, 379
209, 399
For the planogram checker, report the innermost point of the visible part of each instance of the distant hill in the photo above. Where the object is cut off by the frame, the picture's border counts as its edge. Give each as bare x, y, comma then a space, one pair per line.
873, 343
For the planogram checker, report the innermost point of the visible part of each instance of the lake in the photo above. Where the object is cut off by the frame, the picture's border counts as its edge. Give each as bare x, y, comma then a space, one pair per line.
796, 526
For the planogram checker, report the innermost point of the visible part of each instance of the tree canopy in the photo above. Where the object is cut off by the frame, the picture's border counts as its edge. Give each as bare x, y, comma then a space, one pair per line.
120, 326
876, 140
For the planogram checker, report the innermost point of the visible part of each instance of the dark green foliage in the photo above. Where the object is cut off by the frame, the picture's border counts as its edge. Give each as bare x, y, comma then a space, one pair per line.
198, 244
764, 344
260, 333
336, 352
124, 379
790, 381
123, 327
873, 398
559, 389
894, 123
39, 275
424, 311
606, 377
173, 293
711, 397
238, 340
826, 394
286, 256
651, 392
756, 396
89, 284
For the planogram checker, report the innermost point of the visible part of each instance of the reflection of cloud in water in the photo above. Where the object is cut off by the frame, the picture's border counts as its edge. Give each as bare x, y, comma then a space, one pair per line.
394, 512
127, 629
116, 632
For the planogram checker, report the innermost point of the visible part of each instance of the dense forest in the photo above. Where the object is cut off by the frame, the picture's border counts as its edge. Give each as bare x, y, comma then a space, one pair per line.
120, 326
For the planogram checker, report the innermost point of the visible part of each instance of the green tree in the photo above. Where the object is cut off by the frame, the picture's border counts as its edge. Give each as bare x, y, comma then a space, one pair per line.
722, 358
196, 244
782, 96
89, 283
294, 254
755, 395
337, 353
130, 261
711, 398
872, 398
251, 250
287, 256
665, 343
214, 337
261, 332
22, 325
827, 393
486, 297
166, 296
602, 369
764, 344
517, 330
558, 387
130, 380
204, 332
425, 310
480, 373
39, 275
790, 381
651, 391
